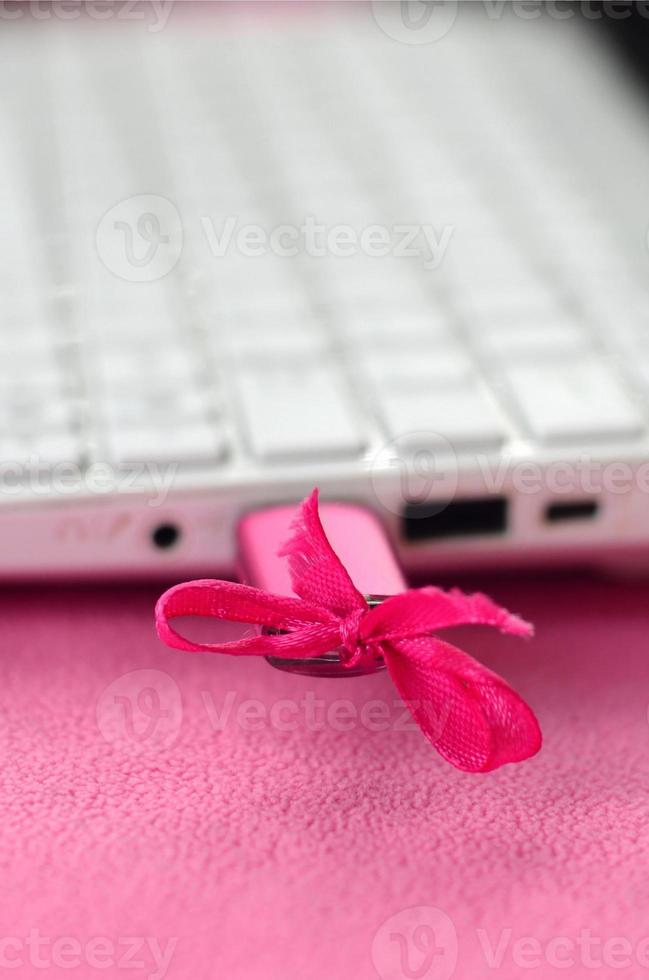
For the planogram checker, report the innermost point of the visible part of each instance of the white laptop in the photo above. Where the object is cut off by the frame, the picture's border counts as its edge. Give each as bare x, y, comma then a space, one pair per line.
392, 250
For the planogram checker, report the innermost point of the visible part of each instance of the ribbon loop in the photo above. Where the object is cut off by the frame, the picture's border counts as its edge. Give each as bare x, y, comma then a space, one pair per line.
302, 625
419, 612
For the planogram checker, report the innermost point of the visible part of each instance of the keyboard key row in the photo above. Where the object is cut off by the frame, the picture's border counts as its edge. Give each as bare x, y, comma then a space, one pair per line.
300, 414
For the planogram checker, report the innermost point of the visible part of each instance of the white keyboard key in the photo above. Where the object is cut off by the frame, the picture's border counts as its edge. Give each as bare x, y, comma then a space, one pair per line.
129, 364
281, 337
41, 449
156, 405
642, 371
38, 363
298, 414
259, 301
38, 397
522, 339
189, 444
23, 414
502, 298
621, 317
35, 339
612, 302
256, 288
433, 364
484, 253
127, 329
465, 415
576, 400
356, 286
397, 326
111, 302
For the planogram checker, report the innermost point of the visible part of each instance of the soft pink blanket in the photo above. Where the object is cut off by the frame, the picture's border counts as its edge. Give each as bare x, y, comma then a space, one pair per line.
156, 825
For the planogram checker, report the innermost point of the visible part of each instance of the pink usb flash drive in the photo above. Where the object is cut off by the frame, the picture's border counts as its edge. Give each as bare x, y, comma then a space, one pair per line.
341, 562
359, 541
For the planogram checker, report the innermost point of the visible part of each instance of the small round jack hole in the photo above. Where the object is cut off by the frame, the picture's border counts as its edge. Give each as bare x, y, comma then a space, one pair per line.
165, 536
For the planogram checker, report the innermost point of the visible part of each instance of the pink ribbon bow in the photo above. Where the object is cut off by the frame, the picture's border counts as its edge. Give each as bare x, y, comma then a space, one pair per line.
472, 717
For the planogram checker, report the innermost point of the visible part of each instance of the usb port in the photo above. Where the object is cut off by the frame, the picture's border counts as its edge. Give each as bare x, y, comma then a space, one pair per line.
573, 510
461, 518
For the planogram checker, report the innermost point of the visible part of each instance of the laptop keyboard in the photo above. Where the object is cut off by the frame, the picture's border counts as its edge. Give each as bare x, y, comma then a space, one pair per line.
527, 327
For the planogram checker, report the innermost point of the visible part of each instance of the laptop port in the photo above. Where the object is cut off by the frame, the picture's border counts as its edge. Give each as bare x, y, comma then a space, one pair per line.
572, 510
165, 536
460, 518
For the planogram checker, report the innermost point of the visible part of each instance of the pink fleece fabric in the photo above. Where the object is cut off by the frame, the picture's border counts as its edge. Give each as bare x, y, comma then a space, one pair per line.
314, 853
